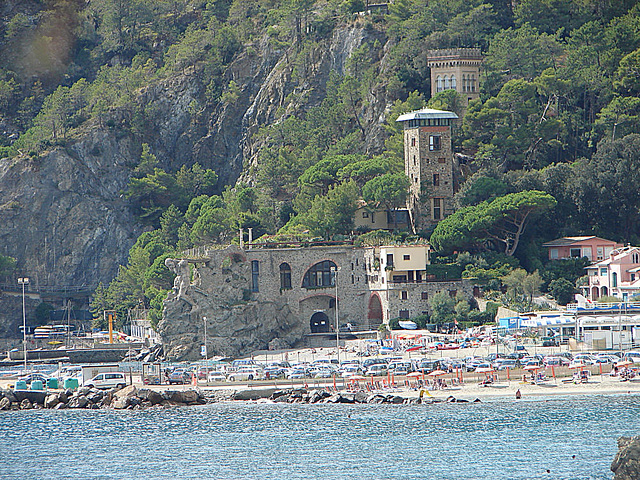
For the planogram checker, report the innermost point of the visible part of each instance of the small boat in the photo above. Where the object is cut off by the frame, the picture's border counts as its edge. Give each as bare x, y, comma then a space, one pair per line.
408, 324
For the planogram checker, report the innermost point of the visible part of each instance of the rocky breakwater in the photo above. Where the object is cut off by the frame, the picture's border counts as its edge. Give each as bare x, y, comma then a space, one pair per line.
326, 396
129, 397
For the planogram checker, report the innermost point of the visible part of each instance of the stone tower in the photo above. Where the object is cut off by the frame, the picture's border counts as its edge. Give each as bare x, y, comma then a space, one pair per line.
457, 69
428, 162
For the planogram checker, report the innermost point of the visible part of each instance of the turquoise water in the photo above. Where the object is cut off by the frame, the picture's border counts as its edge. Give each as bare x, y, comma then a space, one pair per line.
497, 439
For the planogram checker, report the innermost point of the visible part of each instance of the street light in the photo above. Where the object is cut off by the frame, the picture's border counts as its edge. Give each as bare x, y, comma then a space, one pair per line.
206, 354
24, 281
335, 271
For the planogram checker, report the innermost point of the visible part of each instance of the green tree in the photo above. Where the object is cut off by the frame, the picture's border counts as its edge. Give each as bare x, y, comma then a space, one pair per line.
562, 290
499, 222
389, 190
442, 307
7, 265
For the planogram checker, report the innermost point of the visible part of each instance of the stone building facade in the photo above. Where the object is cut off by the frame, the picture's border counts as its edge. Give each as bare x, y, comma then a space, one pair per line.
456, 69
374, 284
429, 164
247, 297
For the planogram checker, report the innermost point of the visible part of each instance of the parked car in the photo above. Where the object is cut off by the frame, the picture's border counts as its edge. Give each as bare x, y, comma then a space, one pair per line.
632, 357
107, 380
556, 361
585, 358
426, 366
217, 376
246, 373
377, 369
179, 376
350, 370
504, 364
295, 373
34, 377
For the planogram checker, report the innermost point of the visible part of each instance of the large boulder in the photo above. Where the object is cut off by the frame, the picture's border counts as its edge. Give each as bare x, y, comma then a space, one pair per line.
128, 391
182, 396
149, 395
52, 400
78, 402
626, 464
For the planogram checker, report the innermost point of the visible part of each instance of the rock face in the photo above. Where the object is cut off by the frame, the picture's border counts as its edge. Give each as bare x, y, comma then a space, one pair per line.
626, 464
75, 226
235, 326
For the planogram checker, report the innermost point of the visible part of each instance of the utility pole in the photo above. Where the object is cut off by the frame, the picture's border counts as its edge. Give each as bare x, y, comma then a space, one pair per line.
24, 281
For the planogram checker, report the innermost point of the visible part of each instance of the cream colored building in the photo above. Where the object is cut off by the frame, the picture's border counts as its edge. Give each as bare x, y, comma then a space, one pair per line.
367, 218
456, 69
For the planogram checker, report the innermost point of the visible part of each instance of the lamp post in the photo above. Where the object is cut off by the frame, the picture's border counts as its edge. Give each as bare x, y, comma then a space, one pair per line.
24, 281
206, 353
335, 271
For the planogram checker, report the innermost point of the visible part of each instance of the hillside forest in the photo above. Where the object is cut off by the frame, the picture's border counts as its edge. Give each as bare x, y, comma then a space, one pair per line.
555, 131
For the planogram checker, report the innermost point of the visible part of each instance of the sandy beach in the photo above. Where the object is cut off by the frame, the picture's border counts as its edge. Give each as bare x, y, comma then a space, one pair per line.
461, 385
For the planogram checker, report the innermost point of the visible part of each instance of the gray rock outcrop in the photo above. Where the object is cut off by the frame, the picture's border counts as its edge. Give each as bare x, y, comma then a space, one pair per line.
235, 326
626, 464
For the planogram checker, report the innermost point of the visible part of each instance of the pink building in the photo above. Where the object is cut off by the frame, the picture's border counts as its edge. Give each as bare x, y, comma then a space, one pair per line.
594, 248
618, 275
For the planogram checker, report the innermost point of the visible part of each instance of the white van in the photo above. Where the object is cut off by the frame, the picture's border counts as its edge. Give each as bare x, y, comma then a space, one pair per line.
632, 357
107, 380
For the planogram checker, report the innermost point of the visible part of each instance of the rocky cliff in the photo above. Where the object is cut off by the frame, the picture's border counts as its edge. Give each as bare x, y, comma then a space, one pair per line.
62, 213
218, 297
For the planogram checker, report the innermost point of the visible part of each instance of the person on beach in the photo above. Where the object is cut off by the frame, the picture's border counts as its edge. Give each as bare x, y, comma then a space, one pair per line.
518, 394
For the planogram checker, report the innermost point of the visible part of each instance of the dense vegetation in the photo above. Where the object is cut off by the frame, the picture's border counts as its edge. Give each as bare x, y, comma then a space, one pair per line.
555, 126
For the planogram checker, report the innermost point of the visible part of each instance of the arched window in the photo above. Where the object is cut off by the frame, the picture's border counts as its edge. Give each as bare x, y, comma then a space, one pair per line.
473, 82
438, 84
446, 83
453, 82
614, 280
464, 82
285, 276
319, 275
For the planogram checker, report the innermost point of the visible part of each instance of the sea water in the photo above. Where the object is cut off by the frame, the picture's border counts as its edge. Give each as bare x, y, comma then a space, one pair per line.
537, 438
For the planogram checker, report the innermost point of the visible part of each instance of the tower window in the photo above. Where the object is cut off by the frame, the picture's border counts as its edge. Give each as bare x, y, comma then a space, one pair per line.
453, 82
413, 142
437, 209
436, 179
434, 142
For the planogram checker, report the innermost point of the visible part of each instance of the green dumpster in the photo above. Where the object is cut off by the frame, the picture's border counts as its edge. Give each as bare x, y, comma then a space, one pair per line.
21, 385
52, 383
37, 385
71, 384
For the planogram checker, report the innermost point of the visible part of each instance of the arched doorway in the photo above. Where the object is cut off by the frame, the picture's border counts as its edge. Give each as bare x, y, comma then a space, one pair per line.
320, 323
604, 292
594, 294
375, 311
